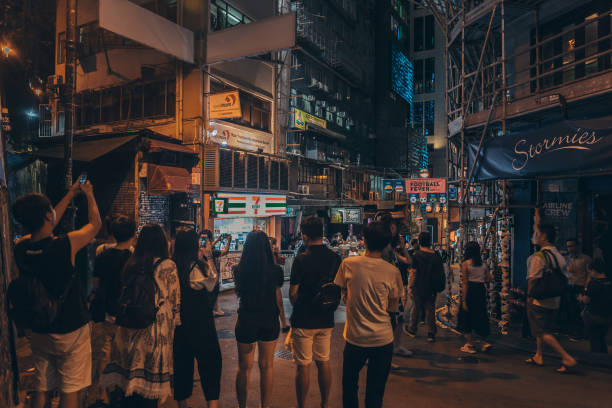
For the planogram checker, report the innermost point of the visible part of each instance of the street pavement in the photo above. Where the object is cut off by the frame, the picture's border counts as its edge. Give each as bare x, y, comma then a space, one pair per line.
438, 375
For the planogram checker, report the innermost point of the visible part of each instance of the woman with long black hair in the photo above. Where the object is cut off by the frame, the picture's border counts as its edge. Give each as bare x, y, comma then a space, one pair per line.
196, 337
473, 315
141, 359
258, 282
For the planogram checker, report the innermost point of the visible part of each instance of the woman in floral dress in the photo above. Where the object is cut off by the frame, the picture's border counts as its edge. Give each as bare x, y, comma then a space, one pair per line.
141, 359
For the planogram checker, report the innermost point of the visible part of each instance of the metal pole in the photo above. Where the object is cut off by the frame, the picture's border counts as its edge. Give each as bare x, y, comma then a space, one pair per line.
70, 88
205, 118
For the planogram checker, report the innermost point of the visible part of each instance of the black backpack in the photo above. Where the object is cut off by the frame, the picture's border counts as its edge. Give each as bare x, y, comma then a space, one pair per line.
30, 305
552, 283
137, 308
328, 296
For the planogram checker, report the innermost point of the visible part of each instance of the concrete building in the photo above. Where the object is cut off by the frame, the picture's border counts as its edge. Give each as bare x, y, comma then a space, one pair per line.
148, 109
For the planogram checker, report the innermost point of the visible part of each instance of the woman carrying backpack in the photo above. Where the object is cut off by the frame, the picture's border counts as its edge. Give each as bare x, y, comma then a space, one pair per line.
258, 285
473, 315
141, 357
196, 337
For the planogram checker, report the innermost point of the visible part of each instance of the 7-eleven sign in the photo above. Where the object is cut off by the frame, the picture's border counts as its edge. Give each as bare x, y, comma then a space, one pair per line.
253, 205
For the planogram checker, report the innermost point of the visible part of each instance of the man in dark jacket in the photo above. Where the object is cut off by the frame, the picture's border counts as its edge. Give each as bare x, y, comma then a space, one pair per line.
426, 263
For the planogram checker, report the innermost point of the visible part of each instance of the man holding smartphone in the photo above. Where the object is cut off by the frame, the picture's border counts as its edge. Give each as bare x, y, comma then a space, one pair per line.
211, 256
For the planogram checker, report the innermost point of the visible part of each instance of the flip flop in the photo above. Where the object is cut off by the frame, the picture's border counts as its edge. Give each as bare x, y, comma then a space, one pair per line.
564, 369
531, 361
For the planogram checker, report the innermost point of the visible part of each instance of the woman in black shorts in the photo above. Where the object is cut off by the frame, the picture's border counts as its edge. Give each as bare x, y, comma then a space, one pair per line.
258, 282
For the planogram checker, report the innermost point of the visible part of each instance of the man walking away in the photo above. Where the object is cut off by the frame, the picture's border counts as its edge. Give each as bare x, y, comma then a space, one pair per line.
311, 326
541, 313
426, 279
61, 351
107, 287
371, 288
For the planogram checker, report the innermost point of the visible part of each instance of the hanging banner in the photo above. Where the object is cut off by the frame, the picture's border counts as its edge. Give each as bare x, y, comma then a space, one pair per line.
426, 186
442, 198
563, 147
224, 105
414, 198
399, 185
300, 118
388, 186
452, 192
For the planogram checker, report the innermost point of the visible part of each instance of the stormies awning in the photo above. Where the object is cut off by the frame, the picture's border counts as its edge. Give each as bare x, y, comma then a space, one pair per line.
164, 180
568, 147
86, 150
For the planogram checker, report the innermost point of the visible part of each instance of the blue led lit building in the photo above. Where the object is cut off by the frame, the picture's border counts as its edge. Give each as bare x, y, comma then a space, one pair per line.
398, 146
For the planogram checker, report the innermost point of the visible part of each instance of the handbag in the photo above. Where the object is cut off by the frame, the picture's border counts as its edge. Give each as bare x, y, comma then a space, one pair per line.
552, 283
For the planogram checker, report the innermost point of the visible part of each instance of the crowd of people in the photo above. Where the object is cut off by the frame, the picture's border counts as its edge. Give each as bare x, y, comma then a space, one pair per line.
154, 303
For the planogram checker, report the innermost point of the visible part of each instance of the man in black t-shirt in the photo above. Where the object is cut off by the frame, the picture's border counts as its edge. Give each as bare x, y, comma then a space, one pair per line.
312, 329
107, 289
426, 263
62, 354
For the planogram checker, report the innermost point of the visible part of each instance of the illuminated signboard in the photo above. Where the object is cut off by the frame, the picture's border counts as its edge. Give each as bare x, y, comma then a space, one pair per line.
402, 74
251, 205
346, 215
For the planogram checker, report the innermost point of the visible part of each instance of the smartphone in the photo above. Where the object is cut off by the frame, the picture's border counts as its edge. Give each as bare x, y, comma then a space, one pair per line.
202, 241
83, 178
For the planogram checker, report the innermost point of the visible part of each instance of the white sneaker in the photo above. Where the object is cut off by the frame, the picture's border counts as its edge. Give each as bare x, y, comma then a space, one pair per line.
403, 352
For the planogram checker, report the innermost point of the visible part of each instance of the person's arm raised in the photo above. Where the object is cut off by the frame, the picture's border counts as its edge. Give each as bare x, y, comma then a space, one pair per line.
60, 208
83, 236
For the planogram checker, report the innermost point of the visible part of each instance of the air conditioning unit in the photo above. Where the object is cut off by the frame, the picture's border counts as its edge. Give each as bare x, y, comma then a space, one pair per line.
332, 109
310, 98
304, 189
342, 114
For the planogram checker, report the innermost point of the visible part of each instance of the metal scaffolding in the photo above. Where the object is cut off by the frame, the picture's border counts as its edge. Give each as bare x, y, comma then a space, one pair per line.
485, 88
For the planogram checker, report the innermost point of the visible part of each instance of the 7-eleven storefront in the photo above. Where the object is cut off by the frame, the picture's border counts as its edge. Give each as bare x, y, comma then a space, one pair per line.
239, 214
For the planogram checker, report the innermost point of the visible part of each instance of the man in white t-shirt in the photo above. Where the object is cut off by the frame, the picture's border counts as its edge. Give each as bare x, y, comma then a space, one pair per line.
371, 289
541, 313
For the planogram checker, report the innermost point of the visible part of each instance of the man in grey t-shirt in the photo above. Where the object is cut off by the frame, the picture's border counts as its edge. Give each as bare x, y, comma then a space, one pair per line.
371, 289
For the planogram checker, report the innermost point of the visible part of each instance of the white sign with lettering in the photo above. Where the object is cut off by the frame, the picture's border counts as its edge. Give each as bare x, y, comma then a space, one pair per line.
243, 138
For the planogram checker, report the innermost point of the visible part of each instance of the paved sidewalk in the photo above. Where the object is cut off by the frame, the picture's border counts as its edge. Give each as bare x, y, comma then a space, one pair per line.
437, 376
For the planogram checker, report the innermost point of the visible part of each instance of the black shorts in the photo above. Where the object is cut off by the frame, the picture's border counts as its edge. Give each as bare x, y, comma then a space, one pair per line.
251, 329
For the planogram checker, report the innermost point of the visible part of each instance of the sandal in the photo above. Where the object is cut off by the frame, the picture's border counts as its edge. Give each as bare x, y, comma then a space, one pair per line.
531, 361
565, 369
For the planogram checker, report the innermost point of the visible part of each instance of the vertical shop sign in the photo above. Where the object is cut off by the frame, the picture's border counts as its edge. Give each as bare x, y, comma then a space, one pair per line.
399, 185
559, 209
388, 186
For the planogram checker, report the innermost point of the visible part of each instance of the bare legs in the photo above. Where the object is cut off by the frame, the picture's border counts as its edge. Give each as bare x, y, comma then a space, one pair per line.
67, 400
266, 371
302, 383
551, 341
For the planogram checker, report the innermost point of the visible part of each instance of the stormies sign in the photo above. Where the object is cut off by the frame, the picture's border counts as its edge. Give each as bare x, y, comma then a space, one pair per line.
564, 147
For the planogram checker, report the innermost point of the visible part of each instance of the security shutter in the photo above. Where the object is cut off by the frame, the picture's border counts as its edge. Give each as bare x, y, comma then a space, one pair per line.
211, 167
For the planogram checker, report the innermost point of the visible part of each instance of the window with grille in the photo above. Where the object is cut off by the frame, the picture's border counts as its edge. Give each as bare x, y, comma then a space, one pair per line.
251, 171
274, 181
263, 173
239, 169
225, 168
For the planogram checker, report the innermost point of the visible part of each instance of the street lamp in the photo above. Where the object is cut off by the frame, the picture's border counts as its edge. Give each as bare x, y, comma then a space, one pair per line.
6, 50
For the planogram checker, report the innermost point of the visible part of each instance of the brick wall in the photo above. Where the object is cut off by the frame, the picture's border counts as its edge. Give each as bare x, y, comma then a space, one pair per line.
125, 195
153, 209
